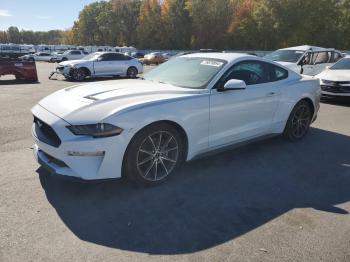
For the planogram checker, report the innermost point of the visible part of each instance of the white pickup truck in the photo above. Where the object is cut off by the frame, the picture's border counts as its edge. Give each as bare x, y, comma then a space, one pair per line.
100, 64
70, 55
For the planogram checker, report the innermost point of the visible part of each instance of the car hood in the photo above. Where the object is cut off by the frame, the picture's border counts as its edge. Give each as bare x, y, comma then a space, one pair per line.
335, 75
93, 102
73, 62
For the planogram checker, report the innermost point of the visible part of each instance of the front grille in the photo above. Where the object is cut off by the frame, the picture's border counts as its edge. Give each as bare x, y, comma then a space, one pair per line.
336, 88
45, 133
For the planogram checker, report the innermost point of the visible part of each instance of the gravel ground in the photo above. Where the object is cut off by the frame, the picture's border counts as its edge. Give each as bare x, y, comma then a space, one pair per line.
268, 201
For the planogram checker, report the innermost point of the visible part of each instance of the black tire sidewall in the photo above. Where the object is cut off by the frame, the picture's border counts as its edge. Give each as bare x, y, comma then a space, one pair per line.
288, 134
128, 72
130, 169
77, 70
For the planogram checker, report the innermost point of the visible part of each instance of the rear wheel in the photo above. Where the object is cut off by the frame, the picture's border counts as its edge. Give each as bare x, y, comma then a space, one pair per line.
78, 74
131, 72
153, 154
298, 122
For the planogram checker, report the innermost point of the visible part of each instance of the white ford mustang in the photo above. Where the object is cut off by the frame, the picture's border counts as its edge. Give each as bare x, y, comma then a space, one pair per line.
144, 128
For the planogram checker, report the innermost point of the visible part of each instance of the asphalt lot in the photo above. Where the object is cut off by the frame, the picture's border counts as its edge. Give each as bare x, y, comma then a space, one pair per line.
268, 201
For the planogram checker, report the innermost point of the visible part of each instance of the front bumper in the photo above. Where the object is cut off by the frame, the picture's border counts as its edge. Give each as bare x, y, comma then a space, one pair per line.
66, 71
60, 160
336, 90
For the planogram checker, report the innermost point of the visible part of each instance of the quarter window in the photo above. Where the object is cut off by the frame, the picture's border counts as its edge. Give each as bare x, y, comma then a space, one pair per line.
278, 73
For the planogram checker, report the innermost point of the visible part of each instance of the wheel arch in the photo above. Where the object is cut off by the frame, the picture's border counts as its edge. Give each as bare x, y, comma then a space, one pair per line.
87, 70
174, 124
309, 101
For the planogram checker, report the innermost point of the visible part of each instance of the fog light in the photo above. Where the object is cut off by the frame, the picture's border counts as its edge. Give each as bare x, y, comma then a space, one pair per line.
78, 153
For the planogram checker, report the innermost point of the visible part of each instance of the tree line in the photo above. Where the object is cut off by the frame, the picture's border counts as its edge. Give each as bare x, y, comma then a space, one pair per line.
193, 24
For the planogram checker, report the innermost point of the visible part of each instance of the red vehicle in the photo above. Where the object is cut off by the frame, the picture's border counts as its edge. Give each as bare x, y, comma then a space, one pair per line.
22, 70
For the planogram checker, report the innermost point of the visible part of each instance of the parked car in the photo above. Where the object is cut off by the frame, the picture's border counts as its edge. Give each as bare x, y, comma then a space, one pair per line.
167, 56
308, 60
191, 105
153, 58
137, 54
100, 64
335, 80
69, 55
40, 56
22, 70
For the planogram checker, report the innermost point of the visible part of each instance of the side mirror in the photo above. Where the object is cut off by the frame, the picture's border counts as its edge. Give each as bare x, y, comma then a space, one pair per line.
99, 59
233, 84
327, 67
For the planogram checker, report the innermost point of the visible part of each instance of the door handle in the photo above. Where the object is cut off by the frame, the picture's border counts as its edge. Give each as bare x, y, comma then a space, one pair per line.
271, 94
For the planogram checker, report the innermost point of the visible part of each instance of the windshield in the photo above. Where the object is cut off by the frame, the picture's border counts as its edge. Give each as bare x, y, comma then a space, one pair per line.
188, 72
291, 56
92, 56
343, 64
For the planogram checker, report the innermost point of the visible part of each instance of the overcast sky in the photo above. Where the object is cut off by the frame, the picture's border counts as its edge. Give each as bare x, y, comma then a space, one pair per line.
40, 15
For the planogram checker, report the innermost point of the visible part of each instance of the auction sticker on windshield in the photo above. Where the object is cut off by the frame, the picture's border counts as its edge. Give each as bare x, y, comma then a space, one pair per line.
211, 63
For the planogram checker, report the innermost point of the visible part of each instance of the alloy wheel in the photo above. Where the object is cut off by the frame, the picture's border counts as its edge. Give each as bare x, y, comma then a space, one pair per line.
301, 121
157, 156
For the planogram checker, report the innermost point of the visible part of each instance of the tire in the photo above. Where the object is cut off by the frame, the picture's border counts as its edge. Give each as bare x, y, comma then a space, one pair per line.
78, 74
64, 59
153, 154
131, 72
299, 121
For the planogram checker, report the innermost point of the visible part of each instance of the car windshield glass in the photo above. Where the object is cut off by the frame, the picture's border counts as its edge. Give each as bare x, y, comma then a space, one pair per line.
91, 56
291, 56
343, 64
188, 72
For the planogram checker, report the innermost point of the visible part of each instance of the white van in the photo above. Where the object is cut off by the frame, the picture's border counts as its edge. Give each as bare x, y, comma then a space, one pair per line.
308, 60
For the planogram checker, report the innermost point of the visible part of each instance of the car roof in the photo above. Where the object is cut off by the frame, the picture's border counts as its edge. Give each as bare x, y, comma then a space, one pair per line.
306, 48
223, 56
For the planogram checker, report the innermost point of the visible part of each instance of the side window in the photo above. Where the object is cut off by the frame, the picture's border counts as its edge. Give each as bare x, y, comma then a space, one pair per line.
75, 53
335, 57
112, 57
278, 73
320, 58
251, 72
105, 57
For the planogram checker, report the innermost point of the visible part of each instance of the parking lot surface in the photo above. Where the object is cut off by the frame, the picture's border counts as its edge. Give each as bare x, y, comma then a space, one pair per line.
268, 201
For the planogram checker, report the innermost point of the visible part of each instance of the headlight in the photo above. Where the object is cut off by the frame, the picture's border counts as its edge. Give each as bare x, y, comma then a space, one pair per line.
96, 130
326, 82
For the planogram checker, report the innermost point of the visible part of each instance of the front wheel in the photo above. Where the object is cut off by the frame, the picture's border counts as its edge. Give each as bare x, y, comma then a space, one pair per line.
298, 122
78, 74
132, 72
153, 154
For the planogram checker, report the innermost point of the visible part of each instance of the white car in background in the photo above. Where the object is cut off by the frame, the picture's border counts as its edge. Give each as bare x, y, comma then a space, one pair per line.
100, 64
70, 55
190, 105
335, 80
40, 56
307, 60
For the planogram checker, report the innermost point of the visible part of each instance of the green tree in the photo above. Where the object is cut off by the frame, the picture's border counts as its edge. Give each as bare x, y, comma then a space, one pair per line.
177, 25
13, 35
149, 29
210, 22
126, 19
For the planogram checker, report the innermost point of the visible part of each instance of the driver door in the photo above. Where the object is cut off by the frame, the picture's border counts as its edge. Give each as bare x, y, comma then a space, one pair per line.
238, 115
